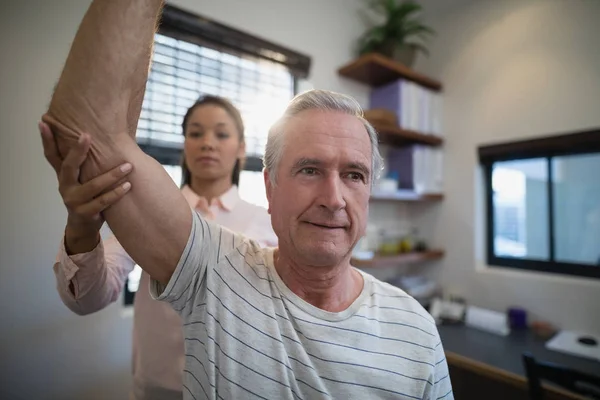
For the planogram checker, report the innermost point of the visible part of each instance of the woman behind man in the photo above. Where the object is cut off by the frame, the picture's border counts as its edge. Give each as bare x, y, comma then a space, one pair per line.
91, 273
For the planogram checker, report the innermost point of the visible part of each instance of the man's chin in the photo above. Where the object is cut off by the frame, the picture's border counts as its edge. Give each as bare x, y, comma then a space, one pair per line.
323, 254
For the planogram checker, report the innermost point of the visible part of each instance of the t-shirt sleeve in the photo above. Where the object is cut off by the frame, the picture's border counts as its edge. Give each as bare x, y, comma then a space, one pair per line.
442, 387
207, 244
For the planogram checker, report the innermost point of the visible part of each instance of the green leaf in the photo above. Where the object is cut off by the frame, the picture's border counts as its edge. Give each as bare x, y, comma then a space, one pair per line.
419, 47
378, 6
402, 25
377, 34
419, 30
405, 10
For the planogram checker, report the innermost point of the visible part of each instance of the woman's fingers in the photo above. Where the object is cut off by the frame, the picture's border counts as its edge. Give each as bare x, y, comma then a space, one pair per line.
93, 208
50, 148
102, 183
84, 202
69, 172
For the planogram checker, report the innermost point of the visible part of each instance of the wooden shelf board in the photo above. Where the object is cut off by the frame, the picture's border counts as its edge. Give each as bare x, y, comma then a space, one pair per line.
405, 195
377, 70
402, 137
380, 261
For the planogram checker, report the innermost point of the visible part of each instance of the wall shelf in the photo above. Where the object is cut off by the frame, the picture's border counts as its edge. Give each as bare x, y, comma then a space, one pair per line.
380, 261
402, 137
405, 195
377, 70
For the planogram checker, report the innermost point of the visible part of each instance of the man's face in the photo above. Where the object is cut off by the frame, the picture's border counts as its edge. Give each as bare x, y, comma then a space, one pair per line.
319, 205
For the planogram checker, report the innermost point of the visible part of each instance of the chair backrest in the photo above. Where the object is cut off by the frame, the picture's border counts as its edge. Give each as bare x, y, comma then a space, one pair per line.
570, 379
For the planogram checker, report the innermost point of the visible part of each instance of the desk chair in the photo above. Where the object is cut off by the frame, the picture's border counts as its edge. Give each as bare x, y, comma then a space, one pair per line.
570, 379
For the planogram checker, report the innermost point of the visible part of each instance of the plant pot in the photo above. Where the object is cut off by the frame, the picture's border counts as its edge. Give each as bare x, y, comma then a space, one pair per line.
404, 54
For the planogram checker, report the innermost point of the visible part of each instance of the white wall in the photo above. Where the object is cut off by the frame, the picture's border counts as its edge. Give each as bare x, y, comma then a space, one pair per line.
48, 352
511, 69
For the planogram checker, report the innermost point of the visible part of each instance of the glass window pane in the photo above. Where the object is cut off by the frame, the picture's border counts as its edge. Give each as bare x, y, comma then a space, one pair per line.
576, 194
520, 201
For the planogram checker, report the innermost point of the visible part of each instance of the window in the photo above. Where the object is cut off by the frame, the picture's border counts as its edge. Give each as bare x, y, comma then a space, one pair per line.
194, 56
520, 206
181, 72
543, 204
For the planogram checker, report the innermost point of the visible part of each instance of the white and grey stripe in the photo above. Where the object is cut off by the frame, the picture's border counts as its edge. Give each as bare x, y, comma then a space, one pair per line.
248, 336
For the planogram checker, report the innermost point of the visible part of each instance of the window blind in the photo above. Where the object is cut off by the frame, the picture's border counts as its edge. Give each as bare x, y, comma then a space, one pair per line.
182, 71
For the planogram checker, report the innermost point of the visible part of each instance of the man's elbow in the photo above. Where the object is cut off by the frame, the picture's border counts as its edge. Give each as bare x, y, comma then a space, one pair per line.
106, 150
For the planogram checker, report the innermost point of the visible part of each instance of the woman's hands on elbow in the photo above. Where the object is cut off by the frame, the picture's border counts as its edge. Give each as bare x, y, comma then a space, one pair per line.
84, 202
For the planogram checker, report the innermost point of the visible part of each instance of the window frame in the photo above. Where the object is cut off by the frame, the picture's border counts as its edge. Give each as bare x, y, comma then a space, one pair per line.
579, 143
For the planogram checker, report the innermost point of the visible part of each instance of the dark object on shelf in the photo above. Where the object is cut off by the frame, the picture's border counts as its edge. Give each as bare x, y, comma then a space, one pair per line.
588, 341
568, 378
402, 161
517, 318
376, 70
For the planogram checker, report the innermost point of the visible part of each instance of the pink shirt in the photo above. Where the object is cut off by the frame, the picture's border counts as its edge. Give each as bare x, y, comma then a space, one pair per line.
98, 278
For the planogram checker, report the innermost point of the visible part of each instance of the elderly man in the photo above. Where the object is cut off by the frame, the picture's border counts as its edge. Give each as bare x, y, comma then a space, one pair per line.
293, 322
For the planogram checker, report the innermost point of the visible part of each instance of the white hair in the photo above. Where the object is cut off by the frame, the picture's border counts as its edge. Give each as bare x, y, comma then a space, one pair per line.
319, 100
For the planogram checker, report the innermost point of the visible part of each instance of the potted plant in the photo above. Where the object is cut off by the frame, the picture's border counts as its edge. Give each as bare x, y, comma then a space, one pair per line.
400, 35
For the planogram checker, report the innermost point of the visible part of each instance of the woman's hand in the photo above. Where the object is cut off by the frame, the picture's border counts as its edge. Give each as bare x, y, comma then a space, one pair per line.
84, 202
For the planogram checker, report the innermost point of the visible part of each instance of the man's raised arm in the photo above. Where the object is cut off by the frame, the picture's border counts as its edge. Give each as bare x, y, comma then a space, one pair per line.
100, 92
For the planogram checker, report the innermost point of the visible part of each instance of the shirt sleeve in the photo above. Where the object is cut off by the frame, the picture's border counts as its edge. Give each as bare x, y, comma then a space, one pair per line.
89, 282
442, 386
207, 244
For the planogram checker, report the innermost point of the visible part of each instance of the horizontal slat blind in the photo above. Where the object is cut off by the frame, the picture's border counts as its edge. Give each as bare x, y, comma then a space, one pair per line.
182, 71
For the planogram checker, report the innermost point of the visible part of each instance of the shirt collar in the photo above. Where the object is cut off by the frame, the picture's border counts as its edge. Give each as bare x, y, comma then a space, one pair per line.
228, 200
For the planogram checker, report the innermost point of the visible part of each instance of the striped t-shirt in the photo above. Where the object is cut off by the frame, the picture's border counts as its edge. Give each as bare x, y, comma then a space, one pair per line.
248, 336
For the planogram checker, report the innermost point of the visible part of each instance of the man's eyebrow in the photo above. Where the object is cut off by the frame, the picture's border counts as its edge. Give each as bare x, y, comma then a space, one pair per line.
304, 161
361, 167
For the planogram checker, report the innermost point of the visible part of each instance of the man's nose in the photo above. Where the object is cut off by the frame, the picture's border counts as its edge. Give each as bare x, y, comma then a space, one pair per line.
332, 194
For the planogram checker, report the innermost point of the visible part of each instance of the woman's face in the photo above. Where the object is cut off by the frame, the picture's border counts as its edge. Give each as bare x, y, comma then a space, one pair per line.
212, 143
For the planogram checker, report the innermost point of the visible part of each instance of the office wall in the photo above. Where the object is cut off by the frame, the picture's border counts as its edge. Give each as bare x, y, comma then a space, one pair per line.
511, 70
48, 352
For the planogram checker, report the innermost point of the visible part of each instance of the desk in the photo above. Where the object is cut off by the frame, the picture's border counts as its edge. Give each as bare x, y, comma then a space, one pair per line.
482, 362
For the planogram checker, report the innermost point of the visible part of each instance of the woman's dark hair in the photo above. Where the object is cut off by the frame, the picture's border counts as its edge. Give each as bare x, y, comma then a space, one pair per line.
234, 113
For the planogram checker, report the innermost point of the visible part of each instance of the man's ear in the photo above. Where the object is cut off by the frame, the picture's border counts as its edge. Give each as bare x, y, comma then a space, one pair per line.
268, 187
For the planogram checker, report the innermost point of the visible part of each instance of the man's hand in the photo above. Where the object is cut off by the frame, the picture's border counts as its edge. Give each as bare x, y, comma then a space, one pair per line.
84, 202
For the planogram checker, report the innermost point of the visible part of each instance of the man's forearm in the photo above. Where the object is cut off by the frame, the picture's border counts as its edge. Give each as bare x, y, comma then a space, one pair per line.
100, 92
102, 84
